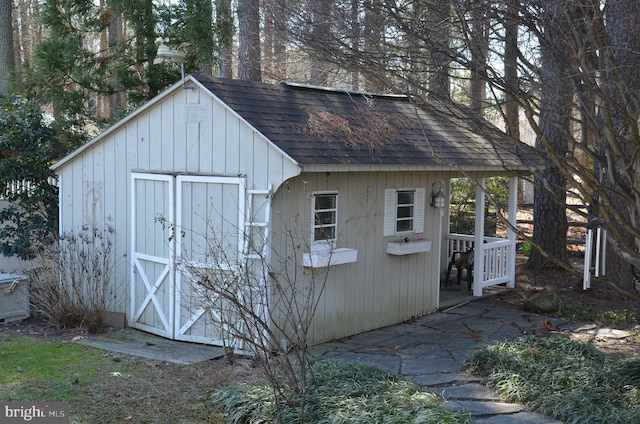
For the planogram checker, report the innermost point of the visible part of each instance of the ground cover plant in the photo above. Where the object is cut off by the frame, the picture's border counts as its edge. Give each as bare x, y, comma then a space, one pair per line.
600, 314
340, 392
567, 379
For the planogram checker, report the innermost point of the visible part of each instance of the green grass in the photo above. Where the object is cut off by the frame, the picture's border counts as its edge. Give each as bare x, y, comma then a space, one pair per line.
103, 387
343, 392
526, 248
31, 369
569, 380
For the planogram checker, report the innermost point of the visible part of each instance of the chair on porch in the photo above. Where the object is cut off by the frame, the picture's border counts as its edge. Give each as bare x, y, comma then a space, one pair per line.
461, 260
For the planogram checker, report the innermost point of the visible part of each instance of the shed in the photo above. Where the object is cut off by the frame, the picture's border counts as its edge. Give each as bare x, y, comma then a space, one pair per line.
297, 177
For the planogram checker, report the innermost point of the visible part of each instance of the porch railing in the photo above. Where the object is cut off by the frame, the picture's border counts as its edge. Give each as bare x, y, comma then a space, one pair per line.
496, 259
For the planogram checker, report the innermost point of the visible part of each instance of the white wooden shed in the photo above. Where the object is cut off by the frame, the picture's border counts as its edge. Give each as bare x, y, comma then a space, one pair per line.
332, 179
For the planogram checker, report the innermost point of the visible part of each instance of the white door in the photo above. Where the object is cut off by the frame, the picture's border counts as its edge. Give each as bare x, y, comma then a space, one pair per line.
184, 229
152, 247
211, 220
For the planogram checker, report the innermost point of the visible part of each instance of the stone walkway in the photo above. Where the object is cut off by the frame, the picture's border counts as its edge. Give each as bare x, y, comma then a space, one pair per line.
430, 351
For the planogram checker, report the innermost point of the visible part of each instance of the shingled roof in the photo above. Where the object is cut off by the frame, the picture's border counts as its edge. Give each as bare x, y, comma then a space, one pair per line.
323, 126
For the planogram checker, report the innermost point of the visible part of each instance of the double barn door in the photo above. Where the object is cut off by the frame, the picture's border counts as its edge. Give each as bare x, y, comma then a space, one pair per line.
181, 228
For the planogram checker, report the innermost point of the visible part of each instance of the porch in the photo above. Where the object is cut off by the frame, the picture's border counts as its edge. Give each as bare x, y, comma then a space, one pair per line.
494, 258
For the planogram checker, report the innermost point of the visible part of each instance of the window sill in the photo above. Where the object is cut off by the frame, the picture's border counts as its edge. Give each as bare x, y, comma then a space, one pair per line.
320, 259
399, 248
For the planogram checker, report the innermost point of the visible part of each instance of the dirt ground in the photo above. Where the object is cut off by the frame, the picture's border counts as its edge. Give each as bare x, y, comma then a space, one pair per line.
577, 304
584, 305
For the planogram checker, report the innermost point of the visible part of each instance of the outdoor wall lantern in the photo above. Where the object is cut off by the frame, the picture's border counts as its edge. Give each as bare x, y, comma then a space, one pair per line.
165, 54
437, 197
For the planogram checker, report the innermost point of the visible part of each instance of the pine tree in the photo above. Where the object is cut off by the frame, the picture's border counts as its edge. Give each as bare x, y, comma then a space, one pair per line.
6, 45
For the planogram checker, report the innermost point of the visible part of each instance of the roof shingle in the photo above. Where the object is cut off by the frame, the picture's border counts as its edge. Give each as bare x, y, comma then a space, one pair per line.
319, 126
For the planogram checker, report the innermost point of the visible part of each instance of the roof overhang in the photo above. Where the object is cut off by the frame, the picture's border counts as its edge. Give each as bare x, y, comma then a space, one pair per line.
489, 170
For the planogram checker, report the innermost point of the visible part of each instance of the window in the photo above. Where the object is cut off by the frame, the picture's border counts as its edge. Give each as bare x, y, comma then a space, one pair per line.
405, 202
404, 211
324, 232
325, 217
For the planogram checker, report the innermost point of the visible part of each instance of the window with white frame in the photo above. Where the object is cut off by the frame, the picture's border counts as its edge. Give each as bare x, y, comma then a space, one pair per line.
325, 218
404, 211
324, 233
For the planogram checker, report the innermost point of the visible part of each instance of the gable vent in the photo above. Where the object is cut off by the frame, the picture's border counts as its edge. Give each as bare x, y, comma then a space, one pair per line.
195, 113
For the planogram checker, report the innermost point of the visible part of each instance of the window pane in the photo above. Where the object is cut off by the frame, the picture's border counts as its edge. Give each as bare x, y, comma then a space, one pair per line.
405, 212
405, 197
325, 201
323, 218
404, 225
324, 233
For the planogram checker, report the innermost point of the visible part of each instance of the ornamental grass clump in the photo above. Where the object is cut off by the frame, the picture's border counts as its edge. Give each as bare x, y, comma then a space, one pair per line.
341, 392
71, 284
569, 380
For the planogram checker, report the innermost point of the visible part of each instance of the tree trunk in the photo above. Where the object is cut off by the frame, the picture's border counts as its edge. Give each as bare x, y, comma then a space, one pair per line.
268, 37
280, 41
27, 29
439, 23
321, 35
479, 49
224, 24
249, 61
23, 32
623, 76
275, 39
549, 210
373, 45
7, 62
118, 99
511, 110
355, 41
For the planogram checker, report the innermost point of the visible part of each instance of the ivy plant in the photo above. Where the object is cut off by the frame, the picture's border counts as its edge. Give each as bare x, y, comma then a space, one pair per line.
29, 219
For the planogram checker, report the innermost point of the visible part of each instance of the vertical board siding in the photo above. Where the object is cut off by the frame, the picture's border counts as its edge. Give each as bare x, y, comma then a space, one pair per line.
209, 211
95, 186
166, 144
378, 289
204, 153
153, 198
232, 151
147, 136
218, 137
377, 250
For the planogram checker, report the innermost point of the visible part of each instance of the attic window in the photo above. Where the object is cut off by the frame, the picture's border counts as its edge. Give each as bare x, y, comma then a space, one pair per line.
195, 113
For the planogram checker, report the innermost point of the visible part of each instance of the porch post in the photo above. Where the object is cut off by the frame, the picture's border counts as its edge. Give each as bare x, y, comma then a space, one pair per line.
446, 226
478, 256
511, 235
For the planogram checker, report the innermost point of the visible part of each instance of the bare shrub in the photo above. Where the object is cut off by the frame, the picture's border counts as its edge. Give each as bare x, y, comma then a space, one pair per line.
264, 307
71, 284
